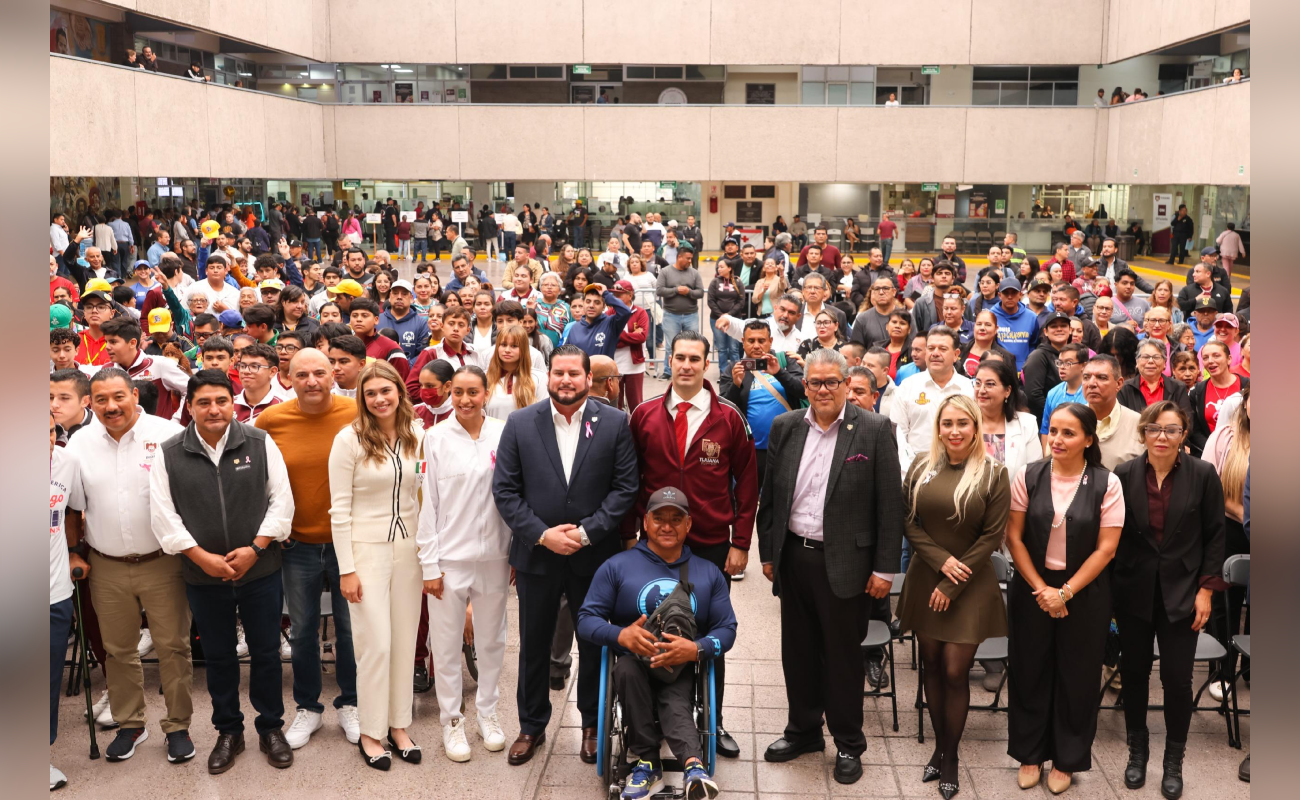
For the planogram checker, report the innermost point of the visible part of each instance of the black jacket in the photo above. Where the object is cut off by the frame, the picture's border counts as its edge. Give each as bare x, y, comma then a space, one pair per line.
1130, 394
1201, 428
734, 302
1040, 375
1122, 268
1187, 299
790, 378
964, 352
1182, 228
1218, 274
1191, 547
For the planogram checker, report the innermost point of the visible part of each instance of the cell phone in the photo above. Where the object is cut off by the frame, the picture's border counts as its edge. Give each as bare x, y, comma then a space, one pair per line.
749, 364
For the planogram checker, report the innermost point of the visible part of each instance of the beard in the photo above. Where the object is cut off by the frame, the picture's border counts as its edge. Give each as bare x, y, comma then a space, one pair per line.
576, 399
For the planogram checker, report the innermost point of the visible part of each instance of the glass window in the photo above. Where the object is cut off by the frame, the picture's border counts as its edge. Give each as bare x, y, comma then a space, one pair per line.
912, 96
639, 73
837, 73
984, 94
1000, 73
1040, 94
1067, 94
554, 72
322, 72
1015, 94
523, 72
487, 72
837, 94
862, 93
706, 72
862, 73
668, 73
814, 93
1054, 73
814, 73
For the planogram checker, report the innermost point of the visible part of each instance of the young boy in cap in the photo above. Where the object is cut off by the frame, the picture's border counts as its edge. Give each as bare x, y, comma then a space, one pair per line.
97, 308
597, 332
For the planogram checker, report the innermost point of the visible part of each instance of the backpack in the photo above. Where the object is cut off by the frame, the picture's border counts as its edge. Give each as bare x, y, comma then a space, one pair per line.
674, 615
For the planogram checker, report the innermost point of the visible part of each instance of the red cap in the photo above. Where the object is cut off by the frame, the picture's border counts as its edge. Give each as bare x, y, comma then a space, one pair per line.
623, 286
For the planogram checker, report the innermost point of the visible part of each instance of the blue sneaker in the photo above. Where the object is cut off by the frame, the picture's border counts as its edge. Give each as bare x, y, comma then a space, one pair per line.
699, 786
646, 779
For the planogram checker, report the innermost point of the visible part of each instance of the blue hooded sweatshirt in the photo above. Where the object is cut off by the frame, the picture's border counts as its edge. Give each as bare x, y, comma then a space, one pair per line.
1017, 332
636, 581
600, 339
412, 331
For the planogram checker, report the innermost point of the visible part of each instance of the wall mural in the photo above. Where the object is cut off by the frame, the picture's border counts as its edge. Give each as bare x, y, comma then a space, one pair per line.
77, 196
77, 35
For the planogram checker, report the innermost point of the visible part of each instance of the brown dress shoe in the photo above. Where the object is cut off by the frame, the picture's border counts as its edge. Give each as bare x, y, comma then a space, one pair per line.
588, 751
523, 748
223, 753
278, 752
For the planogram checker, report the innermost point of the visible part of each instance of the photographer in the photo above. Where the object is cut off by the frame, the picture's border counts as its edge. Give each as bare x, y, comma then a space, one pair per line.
615, 615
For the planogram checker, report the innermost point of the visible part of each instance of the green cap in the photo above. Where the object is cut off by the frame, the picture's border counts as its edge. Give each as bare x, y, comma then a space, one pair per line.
685, 247
60, 316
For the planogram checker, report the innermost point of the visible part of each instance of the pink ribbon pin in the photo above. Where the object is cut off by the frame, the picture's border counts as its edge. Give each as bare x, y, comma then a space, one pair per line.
492, 454
588, 430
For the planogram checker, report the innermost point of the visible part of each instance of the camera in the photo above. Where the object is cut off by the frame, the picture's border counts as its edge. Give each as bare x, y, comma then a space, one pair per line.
749, 364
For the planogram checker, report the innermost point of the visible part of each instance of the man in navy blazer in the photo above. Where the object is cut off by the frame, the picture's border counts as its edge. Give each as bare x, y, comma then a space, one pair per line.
566, 474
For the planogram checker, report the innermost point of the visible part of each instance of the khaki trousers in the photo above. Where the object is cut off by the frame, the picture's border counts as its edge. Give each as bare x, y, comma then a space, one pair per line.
120, 592
384, 628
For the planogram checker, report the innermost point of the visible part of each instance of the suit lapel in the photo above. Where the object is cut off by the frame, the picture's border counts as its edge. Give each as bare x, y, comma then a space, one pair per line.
546, 430
590, 421
843, 440
1137, 488
798, 438
1179, 499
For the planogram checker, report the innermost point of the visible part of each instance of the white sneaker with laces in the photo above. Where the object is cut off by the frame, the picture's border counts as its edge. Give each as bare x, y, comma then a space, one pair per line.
286, 649
103, 712
305, 723
454, 743
145, 647
350, 722
241, 644
100, 704
57, 779
494, 738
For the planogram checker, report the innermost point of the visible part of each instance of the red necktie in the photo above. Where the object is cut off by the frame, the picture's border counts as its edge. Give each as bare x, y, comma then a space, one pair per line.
679, 427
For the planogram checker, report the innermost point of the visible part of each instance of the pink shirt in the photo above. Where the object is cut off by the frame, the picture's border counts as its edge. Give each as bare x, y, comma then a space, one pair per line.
1112, 510
813, 477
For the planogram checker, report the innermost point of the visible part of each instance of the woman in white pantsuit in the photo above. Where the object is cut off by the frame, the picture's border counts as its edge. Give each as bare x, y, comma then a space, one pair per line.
464, 545
374, 506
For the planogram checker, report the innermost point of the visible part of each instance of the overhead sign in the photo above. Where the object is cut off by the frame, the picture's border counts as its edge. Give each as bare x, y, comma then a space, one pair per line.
929, 187
930, 70
581, 69
351, 184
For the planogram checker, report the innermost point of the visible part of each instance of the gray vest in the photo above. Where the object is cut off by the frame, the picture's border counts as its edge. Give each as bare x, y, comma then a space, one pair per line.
222, 505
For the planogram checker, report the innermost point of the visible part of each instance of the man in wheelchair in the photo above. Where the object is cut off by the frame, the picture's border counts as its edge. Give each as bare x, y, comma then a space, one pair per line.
638, 607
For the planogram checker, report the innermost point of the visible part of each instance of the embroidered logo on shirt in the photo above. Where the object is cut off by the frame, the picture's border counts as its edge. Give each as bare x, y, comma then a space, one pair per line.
922, 400
711, 451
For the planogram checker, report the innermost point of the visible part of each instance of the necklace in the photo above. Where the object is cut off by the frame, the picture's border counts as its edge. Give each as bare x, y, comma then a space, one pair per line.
1058, 523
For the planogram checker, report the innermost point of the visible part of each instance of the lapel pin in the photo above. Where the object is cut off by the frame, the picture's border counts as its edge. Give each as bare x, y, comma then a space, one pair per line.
850, 426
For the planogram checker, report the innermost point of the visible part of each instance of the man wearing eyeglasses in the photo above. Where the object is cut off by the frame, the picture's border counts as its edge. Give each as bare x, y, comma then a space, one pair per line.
829, 534
1151, 384
257, 368
869, 327
1069, 365
289, 343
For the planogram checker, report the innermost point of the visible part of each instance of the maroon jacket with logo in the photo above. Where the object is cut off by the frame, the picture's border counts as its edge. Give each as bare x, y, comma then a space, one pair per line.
721, 452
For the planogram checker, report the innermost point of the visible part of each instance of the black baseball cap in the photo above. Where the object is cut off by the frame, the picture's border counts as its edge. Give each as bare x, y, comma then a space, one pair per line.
1056, 316
668, 496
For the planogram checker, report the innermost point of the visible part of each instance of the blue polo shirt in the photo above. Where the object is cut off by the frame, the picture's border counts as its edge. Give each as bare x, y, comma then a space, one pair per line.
1201, 338
1059, 395
763, 408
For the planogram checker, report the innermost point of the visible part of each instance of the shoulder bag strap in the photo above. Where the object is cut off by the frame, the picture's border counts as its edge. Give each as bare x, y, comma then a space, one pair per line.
758, 379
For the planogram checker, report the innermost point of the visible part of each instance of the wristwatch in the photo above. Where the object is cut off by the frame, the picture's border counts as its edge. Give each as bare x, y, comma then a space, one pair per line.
258, 551
582, 536
541, 540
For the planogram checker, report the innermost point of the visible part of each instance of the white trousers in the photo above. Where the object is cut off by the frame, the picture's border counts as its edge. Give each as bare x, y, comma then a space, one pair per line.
486, 585
384, 626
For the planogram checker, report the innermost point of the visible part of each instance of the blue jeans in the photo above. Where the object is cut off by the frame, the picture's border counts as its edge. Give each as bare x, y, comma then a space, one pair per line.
887, 248
258, 605
728, 351
420, 248
906, 557
308, 569
508, 245
313, 249
579, 236
60, 624
673, 325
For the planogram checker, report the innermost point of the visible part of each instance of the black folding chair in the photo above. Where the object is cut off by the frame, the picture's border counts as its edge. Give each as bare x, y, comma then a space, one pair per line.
1236, 571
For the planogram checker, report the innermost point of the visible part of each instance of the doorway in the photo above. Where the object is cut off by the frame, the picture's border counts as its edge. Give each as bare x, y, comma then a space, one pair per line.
589, 93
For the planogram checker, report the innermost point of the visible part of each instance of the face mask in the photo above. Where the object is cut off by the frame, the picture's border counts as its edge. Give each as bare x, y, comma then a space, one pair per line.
430, 397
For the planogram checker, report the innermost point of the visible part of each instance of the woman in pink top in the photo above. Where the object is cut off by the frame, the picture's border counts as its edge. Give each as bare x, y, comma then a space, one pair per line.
1231, 247
1066, 515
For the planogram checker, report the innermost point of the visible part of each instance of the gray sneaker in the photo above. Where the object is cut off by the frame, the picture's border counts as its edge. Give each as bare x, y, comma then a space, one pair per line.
179, 747
123, 745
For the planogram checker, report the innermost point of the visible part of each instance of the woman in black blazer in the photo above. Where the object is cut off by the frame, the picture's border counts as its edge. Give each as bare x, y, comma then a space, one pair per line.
1151, 374
1222, 383
1166, 571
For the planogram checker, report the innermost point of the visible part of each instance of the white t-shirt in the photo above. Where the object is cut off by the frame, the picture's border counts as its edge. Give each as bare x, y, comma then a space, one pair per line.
226, 294
63, 474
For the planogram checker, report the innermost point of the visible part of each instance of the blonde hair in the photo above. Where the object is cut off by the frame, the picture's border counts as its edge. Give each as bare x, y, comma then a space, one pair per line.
524, 390
373, 441
979, 469
1237, 461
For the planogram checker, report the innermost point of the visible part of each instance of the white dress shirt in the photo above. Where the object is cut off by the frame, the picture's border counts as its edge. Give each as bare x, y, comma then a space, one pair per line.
695, 415
224, 293
63, 473
113, 485
458, 519
58, 238
566, 436
913, 411
168, 526
782, 341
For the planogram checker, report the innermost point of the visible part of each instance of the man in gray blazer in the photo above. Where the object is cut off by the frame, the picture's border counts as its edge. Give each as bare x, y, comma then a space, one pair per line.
829, 533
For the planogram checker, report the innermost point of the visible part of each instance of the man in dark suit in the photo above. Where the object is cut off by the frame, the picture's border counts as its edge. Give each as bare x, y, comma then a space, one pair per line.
566, 474
829, 533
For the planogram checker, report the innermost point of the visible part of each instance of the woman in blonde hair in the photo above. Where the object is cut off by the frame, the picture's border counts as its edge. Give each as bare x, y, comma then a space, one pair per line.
374, 478
959, 500
512, 378
1228, 449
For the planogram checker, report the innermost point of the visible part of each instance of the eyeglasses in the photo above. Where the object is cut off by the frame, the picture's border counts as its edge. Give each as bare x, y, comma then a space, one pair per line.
1063, 363
1156, 321
831, 383
287, 348
824, 322
1155, 431
882, 288
243, 367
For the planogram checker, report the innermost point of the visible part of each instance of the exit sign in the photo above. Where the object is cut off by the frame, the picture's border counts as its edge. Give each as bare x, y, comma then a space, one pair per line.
929, 187
930, 70
581, 69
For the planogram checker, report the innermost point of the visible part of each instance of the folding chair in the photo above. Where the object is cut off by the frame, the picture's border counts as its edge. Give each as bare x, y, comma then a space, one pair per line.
1236, 571
894, 591
878, 635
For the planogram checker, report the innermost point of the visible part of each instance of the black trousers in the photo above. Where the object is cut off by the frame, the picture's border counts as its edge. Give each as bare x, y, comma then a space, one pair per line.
761, 462
258, 605
1225, 613
562, 642
1056, 669
716, 554
656, 711
539, 603
1177, 656
821, 651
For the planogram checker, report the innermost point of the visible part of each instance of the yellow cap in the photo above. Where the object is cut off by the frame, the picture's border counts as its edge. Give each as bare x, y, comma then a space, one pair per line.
272, 283
160, 320
349, 286
98, 285
210, 228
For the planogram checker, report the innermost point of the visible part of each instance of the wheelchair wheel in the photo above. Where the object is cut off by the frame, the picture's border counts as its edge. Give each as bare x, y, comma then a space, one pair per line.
604, 724
471, 660
709, 718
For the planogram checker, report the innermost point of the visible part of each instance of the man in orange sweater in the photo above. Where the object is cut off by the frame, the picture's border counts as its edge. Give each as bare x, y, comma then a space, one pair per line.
304, 428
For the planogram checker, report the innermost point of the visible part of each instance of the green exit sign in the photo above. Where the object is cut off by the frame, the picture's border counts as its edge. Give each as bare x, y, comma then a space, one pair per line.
929, 187
581, 69
930, 70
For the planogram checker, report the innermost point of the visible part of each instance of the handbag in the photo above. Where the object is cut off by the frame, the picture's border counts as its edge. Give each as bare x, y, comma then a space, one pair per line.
675, 614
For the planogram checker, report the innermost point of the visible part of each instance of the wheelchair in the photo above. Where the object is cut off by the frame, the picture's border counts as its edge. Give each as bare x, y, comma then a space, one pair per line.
611, 729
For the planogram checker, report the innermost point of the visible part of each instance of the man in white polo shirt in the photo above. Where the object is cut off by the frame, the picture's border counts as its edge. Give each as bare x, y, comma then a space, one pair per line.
918, 396
784, 323
128, 569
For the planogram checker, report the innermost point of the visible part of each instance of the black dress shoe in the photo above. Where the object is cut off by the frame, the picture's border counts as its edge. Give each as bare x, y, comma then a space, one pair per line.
848, 769
896, 628
876, 675
380, 762
223, 753
557, 683
949, 790
785, 750
726, 746
411, 755
422, 683
1243, 772
278, 752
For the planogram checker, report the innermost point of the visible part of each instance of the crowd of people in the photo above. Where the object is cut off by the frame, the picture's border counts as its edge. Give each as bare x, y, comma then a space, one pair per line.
243, 421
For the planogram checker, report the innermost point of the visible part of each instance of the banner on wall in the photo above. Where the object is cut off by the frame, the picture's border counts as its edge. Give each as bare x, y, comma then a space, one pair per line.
76, 35
1162, 210
78, 196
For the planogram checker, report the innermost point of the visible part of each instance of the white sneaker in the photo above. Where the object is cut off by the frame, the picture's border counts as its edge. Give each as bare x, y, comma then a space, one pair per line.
57, 779
241, 644
1219, 690
304, 725
99, 706
454, 743
103, 712
286, 649
739, 576
350, 722
145, 647
494, 739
